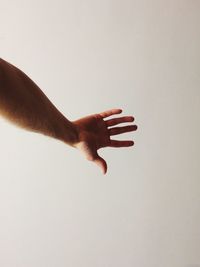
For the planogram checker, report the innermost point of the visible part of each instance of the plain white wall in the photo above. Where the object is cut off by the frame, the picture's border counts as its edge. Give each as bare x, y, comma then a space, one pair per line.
56, 209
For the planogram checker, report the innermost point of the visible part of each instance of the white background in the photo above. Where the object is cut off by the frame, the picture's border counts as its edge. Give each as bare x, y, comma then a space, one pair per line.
56, 209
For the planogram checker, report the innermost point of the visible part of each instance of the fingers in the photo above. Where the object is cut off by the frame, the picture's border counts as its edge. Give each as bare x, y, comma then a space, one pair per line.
120, 130
116, 121
101, 163
110, 112
118, 143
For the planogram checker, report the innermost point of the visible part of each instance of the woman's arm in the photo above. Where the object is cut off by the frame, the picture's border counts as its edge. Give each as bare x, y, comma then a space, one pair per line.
23, 103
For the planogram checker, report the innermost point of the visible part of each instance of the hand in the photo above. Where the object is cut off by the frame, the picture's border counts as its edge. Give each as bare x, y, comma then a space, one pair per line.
94, 133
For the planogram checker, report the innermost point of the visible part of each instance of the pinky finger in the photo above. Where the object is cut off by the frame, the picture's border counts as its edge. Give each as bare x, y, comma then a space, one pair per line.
118, 143
110, 112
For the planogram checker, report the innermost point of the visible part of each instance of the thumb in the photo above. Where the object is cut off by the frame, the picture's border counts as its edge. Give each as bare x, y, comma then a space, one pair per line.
101, 163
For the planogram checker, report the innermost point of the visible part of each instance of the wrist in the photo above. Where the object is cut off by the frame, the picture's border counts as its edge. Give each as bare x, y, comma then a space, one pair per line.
66, 131
74, 134
71, 134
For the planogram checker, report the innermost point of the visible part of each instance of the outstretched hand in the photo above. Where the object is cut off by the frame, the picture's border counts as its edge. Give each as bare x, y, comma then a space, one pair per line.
95, 132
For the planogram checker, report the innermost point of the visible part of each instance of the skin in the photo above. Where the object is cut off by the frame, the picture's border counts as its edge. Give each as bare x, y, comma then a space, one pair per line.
23, 103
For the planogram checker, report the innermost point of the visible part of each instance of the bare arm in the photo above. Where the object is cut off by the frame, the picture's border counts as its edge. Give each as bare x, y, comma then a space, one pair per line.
23, 103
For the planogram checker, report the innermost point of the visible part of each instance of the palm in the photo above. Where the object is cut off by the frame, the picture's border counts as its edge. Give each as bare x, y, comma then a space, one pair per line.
94, 133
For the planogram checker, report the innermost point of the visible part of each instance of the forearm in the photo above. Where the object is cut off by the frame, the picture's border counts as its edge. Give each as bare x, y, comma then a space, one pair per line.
23, 103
